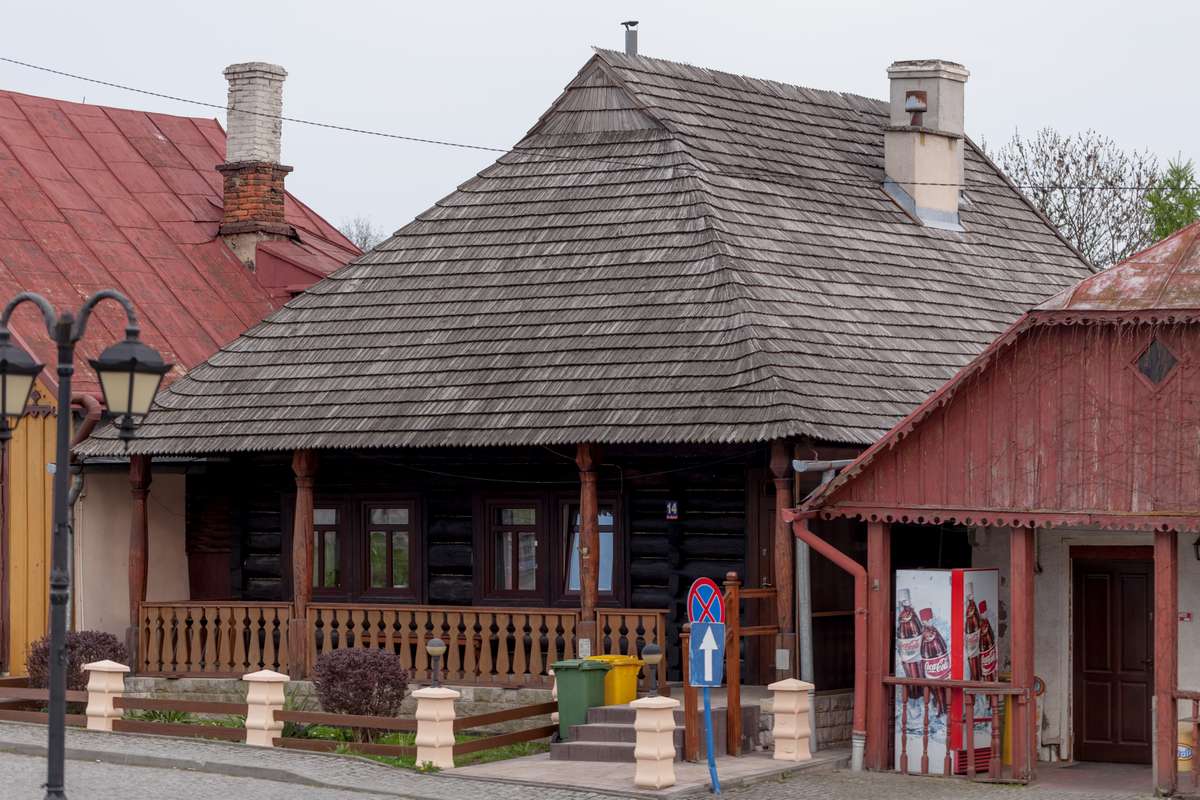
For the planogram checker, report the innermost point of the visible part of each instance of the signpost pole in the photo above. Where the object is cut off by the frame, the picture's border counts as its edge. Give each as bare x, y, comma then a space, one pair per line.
708, 736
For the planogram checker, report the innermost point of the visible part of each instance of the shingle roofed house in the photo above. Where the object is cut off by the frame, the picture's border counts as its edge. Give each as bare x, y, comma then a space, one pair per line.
91, 198
679, 279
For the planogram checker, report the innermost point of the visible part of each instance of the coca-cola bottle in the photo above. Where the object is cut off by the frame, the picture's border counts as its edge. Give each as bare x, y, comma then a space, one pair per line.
971, 634
987, 646
935, 657
908, 636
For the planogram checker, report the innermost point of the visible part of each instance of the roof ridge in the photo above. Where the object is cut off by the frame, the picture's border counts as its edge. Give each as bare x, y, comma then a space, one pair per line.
608, 55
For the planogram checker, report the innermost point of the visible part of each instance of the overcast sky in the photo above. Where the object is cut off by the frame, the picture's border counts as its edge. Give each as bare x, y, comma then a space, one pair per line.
482, 72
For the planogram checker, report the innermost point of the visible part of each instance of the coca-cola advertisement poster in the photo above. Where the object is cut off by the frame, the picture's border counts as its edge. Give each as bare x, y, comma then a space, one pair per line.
945, 629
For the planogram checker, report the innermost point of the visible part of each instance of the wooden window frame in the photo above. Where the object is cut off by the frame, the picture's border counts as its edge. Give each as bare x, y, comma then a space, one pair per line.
485, 545
339, 531
354, 552
416, 559
560, 595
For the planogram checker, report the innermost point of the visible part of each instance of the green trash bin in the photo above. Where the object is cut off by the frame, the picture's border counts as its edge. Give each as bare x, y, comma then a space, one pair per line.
580, 687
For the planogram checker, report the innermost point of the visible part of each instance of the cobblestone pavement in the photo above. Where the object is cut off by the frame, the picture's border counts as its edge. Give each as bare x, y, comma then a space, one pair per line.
137, 767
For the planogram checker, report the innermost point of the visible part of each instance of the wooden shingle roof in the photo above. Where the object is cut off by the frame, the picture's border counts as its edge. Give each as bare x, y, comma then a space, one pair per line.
671, 254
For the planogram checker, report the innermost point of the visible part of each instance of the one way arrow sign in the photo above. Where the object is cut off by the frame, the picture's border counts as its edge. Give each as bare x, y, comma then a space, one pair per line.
706, 656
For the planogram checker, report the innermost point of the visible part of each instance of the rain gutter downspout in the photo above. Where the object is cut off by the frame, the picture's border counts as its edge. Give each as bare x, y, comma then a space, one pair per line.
800, 528
92, 412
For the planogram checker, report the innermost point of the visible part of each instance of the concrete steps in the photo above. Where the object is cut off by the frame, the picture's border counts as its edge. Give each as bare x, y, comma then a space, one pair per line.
609, 735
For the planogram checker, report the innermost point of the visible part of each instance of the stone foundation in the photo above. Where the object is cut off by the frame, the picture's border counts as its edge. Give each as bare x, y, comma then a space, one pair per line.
832, 718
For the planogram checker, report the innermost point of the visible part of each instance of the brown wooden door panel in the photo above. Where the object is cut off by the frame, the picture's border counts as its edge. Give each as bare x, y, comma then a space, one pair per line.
1113, 665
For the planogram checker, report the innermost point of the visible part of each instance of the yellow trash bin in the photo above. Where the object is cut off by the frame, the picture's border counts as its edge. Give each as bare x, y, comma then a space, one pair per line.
620, 684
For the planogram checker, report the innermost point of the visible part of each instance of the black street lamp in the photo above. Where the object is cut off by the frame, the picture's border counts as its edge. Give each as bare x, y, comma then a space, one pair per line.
130, 374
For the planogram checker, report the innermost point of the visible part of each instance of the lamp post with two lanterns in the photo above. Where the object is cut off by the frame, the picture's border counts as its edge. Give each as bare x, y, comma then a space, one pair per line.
130, 373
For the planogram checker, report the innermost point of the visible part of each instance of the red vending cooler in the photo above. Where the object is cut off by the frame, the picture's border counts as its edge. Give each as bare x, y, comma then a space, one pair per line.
945, 630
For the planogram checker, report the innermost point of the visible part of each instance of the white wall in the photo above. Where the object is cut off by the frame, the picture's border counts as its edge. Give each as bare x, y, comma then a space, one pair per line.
102, 517
1052, 614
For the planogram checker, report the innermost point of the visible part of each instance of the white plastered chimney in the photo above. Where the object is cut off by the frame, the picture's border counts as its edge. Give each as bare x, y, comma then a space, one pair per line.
923, 142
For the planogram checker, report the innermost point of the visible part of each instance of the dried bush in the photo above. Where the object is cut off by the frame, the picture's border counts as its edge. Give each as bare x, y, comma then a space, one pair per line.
83, 647
361, 682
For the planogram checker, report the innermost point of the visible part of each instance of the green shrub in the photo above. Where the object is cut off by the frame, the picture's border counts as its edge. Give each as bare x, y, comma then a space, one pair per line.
83, 647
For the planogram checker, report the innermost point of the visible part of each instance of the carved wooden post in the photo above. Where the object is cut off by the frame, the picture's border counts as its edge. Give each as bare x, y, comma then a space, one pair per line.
1021, 583
878, 644
784, 560
304, 465
733, 664
139, 546
1166, 655
589, 545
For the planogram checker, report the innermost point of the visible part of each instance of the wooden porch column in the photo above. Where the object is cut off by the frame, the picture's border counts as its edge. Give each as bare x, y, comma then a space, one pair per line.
589, 544
1166, 655
1024, 742
784, 561
304, 466
879, 642
139, 548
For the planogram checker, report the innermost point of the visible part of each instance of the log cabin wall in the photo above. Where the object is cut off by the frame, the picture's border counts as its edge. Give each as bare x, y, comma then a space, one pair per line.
240, 511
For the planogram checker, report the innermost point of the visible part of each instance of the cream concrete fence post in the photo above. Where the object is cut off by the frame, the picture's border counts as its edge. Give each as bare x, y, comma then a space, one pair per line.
553, 694
264, 696
435, 726
106, 682
793, 719
655, 748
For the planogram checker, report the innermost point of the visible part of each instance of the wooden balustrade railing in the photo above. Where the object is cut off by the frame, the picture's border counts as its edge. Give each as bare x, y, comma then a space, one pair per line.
625, 631
218, 639
929, 696
501, 646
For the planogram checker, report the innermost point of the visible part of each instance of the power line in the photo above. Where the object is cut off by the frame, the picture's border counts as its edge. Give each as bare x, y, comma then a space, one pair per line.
524, 151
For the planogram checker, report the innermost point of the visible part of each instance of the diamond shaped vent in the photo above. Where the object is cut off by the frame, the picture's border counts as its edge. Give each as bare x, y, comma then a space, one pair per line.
1156, 362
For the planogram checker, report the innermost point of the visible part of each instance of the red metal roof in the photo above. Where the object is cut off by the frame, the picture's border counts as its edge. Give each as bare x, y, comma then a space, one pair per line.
94, 197
1162, 277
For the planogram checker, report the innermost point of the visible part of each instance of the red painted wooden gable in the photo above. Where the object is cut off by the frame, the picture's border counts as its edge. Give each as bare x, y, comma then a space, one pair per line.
1055, 424
1063, 420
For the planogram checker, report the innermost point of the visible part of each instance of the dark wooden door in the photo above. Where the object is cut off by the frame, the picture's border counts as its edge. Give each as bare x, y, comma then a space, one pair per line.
1114, 667
759, 652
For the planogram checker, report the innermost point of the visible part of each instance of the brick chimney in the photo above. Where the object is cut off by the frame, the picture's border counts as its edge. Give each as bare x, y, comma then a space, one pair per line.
923, 142
254, 192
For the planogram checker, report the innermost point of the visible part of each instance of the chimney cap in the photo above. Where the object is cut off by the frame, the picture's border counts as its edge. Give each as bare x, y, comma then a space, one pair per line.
929, 68
632, 23
256, 67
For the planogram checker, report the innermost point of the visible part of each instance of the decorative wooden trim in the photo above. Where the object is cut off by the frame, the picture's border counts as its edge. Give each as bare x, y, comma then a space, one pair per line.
1182, 520
1166, 657
784, 542
589, 539
1113, 552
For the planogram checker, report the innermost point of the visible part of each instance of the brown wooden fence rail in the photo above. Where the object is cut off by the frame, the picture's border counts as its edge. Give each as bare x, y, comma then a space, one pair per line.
485, 646
504, 739
220, 639
626, 631
22, 704
198, 730
975, 763
1183, 696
